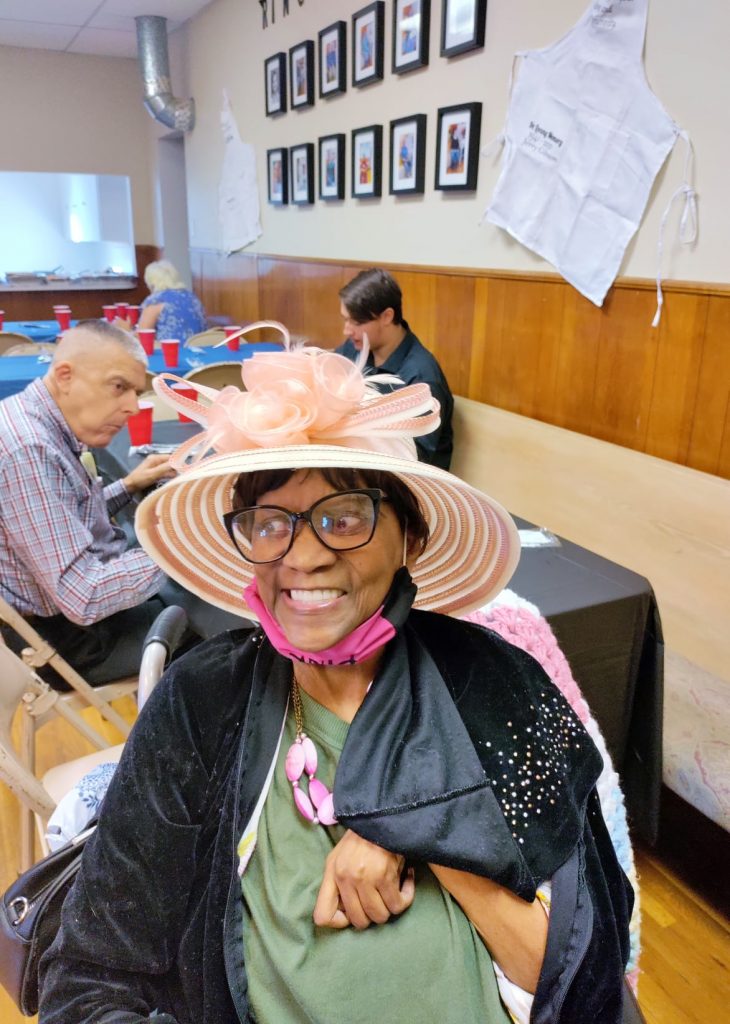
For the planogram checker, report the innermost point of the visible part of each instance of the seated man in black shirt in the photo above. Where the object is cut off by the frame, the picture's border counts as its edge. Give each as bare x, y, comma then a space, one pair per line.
372, 304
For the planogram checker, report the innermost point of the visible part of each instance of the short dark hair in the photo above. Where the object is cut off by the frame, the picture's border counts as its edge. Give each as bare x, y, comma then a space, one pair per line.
370, 293
249, 487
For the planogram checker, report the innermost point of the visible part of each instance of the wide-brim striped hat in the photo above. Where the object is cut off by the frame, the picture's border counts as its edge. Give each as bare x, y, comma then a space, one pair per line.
318, 411
472, 551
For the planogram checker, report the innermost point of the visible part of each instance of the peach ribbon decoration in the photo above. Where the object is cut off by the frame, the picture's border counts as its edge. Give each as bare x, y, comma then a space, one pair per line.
302, 395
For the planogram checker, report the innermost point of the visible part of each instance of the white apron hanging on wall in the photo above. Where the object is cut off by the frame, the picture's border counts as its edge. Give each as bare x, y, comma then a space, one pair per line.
584, 140
238, 191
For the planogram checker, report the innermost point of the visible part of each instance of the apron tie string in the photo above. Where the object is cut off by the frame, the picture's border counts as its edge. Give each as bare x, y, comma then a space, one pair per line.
687, 224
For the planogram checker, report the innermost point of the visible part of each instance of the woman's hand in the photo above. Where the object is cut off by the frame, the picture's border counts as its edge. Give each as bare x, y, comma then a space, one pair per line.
362, 885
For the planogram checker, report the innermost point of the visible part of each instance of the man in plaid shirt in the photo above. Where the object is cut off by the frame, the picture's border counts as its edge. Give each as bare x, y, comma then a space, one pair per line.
64, 565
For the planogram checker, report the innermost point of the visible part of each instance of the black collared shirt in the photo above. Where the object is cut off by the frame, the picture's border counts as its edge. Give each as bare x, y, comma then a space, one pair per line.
414, 364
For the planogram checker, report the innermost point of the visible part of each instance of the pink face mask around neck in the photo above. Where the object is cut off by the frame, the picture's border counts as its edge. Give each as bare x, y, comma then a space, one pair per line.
357, 646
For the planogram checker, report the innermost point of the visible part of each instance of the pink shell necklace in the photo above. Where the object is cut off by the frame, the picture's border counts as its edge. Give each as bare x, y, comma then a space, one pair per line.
316, 805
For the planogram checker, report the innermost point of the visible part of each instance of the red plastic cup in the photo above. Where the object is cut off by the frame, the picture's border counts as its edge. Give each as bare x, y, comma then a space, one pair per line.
185, 392
140, 425
170, 351
63, 316
2, 318
132, 314
147, 339
235, 344
110, 312
122, 310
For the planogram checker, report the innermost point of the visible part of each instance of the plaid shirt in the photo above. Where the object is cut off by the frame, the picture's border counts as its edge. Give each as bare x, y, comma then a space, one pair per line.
59, 550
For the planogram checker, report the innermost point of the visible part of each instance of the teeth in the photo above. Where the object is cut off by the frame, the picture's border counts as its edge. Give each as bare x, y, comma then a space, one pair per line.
314, 596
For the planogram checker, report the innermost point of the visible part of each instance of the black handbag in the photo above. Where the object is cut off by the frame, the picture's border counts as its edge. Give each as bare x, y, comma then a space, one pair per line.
30, 917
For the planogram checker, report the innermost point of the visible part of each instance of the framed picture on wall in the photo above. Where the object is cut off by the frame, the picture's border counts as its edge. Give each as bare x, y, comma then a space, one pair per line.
332, 167
301, 173
411, 22
278, 176
368, 27
407, 154
462, 26
332, 59
301, 75
275, 75
367, 161
457, 146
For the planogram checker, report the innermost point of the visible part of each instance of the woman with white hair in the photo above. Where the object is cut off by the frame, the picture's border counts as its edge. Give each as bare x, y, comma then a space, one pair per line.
171, 309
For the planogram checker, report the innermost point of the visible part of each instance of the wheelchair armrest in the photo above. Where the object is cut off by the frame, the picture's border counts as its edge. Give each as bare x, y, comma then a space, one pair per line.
161, 642
168, 629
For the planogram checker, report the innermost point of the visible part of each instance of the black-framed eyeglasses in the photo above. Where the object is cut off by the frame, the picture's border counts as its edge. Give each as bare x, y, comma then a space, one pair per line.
341, 521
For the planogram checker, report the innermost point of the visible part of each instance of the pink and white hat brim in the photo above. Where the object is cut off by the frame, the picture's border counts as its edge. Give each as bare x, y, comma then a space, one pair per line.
472, 552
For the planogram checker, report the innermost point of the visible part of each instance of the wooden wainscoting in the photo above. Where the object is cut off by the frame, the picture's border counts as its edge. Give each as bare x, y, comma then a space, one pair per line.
528, 343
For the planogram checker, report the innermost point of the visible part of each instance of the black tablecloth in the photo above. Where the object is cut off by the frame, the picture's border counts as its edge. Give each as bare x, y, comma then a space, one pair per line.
605, 618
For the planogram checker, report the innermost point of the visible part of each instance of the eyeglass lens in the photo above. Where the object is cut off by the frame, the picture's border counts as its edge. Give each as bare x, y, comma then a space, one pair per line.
341, 521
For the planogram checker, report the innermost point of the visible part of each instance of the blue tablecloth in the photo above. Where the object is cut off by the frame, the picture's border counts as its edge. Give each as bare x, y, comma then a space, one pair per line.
36, 330
192, 357
18, 371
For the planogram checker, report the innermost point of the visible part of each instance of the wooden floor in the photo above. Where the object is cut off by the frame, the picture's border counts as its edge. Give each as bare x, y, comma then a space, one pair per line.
685, 962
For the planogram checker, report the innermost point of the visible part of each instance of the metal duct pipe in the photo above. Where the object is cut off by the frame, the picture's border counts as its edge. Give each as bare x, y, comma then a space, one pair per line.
155, 66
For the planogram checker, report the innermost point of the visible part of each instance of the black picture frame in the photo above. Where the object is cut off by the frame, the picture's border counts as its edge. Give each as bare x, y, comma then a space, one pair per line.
463, 24
332, 166
368, 38
301, 174
457, 147
301, 75
407, 155
411, 25
275, 84
367, 162
333, 59
277, 173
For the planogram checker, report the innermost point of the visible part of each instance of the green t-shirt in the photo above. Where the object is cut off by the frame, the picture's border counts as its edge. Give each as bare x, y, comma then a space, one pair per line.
428, 965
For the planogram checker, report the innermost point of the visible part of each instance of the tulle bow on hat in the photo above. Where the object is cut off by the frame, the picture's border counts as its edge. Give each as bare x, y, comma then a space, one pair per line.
302, 395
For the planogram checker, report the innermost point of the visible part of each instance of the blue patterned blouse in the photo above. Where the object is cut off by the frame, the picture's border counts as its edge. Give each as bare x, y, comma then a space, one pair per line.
183, 313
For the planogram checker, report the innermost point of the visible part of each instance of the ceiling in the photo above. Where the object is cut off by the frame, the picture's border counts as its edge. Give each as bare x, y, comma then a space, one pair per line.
104, 27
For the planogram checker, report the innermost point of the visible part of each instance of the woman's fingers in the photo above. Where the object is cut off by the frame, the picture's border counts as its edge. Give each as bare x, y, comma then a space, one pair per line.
362, 882
328, 910
407, 891
363, 905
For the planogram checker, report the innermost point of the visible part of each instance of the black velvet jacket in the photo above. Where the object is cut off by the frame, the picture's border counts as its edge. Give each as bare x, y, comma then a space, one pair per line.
463, 753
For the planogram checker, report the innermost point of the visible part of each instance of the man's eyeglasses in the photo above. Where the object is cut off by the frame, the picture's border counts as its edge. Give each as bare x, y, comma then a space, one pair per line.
342, 522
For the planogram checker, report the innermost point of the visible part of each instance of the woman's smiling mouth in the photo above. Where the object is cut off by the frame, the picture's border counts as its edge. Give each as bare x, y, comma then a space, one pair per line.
313, 598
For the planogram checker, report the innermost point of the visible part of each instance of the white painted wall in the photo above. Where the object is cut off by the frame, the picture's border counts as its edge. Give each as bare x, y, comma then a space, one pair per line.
71, 112
172, 204
225, 47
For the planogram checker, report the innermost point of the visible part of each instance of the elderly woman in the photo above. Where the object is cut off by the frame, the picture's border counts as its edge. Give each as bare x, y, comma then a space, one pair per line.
364, 809
170, 308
